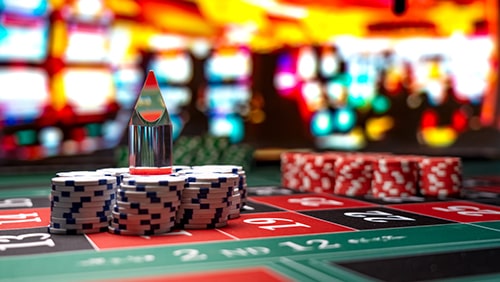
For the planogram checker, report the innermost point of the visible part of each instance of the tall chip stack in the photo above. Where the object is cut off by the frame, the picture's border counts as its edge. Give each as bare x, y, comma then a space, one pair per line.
146, 205
394, 176
353, 175
118, 172
206, 200
440, 176
307, 171
240, 192
81, 204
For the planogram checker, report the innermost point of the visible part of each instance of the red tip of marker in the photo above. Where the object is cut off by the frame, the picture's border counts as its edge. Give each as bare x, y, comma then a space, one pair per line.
150, 170
151, 80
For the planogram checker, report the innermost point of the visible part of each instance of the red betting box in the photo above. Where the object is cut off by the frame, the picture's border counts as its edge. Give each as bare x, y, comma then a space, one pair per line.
302, 202
240, 275
107, 240
460, 211
24, 218
272, 224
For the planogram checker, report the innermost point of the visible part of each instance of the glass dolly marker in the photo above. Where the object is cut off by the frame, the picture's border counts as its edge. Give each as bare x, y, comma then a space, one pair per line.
150, 132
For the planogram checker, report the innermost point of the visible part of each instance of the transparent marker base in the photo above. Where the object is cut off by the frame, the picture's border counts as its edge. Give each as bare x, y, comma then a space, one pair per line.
150, 149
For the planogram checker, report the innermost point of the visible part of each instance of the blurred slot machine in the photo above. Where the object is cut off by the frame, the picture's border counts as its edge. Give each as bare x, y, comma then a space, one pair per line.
328, 91
82, 80
24, 82
228, 92
415, 90
69, 75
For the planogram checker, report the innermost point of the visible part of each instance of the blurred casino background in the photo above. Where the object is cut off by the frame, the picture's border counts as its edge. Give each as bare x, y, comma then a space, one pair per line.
323, 74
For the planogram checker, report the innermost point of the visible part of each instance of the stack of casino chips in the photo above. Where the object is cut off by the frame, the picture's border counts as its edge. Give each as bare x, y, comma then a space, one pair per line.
308, 171
81, 202
146, 205
206, 200
240, 191
440, 176
395, 176
381, 175
353, 175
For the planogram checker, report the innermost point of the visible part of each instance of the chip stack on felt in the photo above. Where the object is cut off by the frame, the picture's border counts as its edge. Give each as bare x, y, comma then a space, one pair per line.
395, 176
146, 205
81, 203
306, 171
353, 175
381, 175
206, 200
440, 176
240, 191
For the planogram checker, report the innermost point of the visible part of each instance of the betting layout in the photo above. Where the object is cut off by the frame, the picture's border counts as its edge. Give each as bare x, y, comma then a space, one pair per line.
281, 234
204, 196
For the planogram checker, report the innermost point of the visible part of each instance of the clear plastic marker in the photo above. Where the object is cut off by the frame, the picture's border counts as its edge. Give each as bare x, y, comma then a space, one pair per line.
150, 132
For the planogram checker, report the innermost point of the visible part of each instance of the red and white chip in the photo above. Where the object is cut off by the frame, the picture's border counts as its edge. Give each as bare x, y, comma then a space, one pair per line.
395, 176
381, 174
440, 176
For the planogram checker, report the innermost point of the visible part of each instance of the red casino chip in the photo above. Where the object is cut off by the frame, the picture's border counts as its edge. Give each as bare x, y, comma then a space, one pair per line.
383, 175
353, 175
395, 176
440, 176
308, 171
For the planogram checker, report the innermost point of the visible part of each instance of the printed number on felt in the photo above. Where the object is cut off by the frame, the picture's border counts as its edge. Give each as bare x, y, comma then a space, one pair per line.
378, 216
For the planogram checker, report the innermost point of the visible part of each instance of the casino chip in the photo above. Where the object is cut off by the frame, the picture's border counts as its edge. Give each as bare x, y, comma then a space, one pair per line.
239, 193
83, 180
177, 168
353, 175
80, 173
63, 231
395, 176
392, 178
206, 200
154, 180
202, 225
81, 202
440, 176
114, 200
142, 232
119, 173
146, 205
308, 171
83, 188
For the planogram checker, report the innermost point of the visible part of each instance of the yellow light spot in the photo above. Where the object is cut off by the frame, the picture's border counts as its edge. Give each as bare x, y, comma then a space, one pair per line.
439, 137
377, 127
